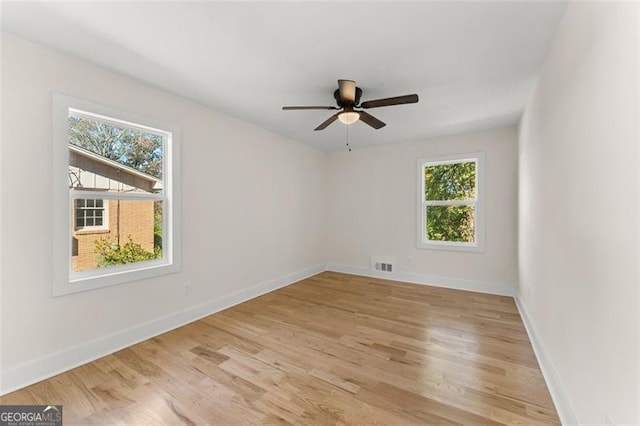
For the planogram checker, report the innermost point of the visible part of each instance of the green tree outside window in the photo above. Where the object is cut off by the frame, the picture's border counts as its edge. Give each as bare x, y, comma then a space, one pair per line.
443, 184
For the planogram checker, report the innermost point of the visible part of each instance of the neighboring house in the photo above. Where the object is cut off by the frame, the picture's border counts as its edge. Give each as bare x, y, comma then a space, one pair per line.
116, 220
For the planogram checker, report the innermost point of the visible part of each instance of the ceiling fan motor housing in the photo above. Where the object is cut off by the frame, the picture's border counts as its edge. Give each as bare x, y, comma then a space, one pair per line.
341, 104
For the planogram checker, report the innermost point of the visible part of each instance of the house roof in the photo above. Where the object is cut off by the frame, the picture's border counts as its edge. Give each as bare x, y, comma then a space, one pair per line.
157, 183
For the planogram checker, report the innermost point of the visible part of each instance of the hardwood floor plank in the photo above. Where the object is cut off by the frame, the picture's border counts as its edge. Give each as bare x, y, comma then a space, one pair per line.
345, 385
331, 349
424, 409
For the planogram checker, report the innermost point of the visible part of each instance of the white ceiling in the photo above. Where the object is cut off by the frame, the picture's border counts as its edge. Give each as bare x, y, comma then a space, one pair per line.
473, 64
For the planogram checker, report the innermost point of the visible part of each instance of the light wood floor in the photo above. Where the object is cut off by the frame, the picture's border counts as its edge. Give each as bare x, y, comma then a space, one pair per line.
332, 349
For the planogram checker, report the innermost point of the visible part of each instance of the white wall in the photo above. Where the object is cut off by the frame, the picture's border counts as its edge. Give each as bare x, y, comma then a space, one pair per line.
371, 210
252, 214
578, 212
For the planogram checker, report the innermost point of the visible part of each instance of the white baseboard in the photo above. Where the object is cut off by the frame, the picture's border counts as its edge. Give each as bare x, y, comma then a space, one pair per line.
454, 283
551, 377
51, 365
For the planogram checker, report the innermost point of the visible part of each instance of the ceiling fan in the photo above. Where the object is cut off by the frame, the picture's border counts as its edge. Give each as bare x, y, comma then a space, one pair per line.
348, 99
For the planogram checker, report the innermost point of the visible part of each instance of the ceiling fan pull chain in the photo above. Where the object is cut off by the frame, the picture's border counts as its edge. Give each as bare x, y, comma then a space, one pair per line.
348, 132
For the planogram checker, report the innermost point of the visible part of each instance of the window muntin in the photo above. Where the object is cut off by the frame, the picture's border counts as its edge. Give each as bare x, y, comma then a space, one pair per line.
122, 218
450, 208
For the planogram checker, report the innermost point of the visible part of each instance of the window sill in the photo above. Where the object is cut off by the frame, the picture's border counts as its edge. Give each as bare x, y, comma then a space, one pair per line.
89, 280
473, 248
92, 231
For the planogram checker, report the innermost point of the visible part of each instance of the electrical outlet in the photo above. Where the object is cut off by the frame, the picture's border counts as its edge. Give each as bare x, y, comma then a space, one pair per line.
187, 288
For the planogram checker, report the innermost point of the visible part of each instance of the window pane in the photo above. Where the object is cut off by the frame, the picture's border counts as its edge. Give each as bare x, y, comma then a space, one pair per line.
132, 234
137, 149
107, 156
451, 223
450, 181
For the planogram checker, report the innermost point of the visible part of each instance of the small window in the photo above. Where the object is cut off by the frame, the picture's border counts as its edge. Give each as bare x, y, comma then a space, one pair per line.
450, 210
91, 215
118, 171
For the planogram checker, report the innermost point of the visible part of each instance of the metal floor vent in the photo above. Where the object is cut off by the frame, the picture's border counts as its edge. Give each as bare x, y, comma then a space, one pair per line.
385, 267
383, 264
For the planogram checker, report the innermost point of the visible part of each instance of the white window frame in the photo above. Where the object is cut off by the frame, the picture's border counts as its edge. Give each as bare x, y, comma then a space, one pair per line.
65, 281
478, 203
89, 229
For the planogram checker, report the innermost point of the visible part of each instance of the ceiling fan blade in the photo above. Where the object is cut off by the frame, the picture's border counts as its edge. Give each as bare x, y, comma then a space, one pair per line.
328, 121
347, 92
398, 100
371, 120
289, 108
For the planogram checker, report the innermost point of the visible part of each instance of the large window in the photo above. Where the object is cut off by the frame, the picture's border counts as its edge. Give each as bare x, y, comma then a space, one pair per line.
118, 173
450, 210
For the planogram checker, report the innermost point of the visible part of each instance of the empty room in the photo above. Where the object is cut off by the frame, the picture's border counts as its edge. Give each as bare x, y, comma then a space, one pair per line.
398, 213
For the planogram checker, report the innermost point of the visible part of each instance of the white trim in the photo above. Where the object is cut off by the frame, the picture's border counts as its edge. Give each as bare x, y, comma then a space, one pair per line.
549, 372
446, 203
115, 195
51, 365
66, 282
92, 279
478, 203
500, 289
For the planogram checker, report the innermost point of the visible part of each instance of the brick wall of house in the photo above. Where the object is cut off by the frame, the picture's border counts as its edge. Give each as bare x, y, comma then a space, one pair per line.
126, 218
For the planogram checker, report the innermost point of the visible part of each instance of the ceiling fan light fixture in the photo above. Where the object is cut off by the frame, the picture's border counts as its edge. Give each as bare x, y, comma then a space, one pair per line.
349, 117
